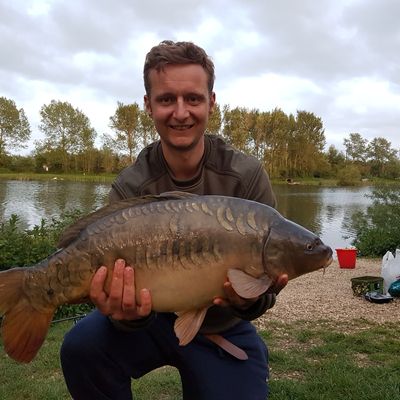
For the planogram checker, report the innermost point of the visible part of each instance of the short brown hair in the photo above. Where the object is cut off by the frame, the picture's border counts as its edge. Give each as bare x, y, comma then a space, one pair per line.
169, 52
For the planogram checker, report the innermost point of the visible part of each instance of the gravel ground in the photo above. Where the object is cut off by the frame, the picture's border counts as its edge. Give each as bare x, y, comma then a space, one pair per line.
329, 296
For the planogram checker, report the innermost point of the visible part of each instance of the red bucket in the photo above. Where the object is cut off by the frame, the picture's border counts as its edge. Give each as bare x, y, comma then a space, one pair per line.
347, 257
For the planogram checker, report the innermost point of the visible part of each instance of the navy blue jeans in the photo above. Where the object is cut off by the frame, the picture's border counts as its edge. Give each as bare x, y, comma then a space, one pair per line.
98, 361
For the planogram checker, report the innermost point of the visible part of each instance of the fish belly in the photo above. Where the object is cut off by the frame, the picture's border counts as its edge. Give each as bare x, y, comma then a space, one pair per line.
183, 289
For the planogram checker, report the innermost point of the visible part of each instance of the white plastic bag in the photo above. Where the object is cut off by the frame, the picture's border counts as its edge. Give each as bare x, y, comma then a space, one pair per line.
390, 269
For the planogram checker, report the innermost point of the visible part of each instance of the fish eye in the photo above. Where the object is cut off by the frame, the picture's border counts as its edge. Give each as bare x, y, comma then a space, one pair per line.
309, 246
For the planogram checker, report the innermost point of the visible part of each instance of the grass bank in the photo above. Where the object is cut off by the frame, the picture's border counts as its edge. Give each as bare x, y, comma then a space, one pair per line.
26, 176
309, 361
108, 178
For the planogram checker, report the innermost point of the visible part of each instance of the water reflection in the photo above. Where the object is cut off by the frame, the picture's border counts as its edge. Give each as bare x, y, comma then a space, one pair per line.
300, 204
54, 197
325, 211
34, 200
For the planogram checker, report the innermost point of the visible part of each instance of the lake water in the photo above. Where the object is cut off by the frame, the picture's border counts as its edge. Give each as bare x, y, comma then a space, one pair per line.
325, 211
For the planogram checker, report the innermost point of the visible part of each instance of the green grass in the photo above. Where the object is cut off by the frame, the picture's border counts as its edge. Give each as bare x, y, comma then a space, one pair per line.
320, 361
308, 360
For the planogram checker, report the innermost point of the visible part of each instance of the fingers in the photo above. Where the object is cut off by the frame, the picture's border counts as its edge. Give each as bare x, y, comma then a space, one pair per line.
279, 284
130, 308
117, 286
232, 298
223, 301
97, 294
128, 290
145, 303
120, 303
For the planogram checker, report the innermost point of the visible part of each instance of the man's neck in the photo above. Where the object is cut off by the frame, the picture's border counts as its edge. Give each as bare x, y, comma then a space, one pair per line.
184, 165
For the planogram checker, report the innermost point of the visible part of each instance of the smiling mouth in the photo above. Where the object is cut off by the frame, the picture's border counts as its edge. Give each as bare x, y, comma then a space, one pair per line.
181, 127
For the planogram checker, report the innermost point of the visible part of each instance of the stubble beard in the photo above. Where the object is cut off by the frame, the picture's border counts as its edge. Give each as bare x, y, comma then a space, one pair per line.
183, 148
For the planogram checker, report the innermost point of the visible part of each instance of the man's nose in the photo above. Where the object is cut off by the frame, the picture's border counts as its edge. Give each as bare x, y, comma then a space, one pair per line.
181, 111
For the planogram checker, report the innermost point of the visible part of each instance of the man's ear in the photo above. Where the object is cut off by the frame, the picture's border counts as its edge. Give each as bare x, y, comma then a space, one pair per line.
147, 104
212, 103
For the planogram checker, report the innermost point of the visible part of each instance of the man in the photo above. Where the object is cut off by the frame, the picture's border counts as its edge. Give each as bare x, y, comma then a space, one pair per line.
123, 339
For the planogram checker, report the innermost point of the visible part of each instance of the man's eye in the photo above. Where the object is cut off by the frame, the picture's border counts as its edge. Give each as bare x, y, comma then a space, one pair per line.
165, 100
193, 100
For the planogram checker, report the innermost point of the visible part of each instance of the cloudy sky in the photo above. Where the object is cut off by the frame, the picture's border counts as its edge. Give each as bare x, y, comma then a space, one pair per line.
339, 59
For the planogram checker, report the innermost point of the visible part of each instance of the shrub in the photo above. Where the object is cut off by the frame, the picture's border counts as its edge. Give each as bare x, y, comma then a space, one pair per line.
20, 248
349, 176
378, 229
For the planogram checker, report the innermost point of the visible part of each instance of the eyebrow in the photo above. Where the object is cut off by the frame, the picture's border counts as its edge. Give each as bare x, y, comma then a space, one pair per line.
163, 95
170, 94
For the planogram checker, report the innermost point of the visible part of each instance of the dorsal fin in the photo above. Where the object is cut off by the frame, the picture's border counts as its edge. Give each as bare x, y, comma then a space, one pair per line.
73, 231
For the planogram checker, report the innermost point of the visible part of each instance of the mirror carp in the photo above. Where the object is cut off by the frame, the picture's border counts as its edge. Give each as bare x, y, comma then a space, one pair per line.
182, 246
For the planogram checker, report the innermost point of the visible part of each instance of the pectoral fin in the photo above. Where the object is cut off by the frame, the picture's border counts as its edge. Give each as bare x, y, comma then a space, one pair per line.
188, 324
247, 286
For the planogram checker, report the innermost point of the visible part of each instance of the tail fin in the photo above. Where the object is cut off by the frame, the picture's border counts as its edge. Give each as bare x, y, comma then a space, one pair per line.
23, 328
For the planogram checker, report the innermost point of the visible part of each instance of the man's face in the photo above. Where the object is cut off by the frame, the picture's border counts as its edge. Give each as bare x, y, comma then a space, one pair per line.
180, 104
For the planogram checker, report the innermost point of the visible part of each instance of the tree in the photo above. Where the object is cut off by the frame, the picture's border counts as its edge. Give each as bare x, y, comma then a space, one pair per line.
147, 130
126, 123
85, 151
108, 153
276, 137
236, 127
335, 158
356, 148
306, 143
380, 154
14, 127
68, 133
215, 121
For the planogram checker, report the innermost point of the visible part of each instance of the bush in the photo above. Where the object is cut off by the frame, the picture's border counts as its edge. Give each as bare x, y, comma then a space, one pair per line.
21, 248
378, 229
349, 176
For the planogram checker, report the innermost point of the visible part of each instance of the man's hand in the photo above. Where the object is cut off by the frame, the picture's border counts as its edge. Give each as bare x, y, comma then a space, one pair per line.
234, 300
120, 303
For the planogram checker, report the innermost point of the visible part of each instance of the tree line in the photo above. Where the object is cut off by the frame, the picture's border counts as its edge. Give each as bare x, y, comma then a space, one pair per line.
288, 145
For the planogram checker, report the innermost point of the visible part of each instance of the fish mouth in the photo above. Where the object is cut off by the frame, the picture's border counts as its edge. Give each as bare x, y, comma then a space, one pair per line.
327, 264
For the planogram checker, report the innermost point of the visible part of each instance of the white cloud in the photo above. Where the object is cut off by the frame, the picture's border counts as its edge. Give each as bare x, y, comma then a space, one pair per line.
366, 94
267, 91
38, 7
